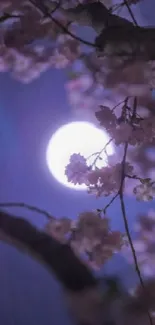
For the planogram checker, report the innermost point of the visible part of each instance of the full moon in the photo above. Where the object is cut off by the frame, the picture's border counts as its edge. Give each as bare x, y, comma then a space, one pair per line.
76, 137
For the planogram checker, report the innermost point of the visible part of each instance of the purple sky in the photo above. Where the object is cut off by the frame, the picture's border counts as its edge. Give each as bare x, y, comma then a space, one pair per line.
29, 114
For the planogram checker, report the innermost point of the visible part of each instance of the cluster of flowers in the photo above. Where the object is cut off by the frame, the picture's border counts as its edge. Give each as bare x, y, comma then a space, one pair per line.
129, 128
89, 235
107, 180
125, 128
102, 181
88, 89
22, 54
133, 129
77, 96
22, 39
27, 52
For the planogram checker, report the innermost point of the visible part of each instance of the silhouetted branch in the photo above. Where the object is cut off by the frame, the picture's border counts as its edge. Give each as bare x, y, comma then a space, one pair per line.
59, 258
132, 42
112, 29
120, 193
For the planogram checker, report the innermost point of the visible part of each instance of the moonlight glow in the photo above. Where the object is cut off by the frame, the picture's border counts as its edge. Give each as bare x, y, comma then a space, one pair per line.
76, 137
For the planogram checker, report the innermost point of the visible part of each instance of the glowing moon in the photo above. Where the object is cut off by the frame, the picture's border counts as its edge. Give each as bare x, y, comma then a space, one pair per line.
76, 137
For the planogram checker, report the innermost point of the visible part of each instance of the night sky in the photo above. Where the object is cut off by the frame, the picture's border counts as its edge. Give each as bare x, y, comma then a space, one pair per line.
29, 115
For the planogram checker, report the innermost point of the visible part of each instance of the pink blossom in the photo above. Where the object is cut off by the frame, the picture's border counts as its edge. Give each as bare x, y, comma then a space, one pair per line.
77, 169
145, 192
106, 117
83, 82
137, 136
121, 79
59, 60
122, 133
148, 127
103, 180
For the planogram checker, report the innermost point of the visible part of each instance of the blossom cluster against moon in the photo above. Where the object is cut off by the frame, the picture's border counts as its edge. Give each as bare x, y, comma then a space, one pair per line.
76, 137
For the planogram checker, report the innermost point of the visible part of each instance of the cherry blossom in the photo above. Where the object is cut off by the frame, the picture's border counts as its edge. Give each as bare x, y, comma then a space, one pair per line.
89, 234
80, 83
102, 181
58, 228
77, 169
145, 192
59, 60
122, 133
106, 118
114, 83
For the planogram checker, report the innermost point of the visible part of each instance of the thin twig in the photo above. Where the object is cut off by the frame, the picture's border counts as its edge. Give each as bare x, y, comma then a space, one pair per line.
27, 206
100, 153
121, 195
133, 177
130, 12
122, 102
56, 8
110, 202
127, 227
45, 12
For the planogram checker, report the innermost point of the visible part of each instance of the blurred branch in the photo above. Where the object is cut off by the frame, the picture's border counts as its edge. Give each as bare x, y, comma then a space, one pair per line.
59, 258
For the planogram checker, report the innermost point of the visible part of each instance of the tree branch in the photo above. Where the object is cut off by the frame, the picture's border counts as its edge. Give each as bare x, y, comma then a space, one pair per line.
59, 258
130, 12
113, 29
121, 195
141, 41
45, 12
